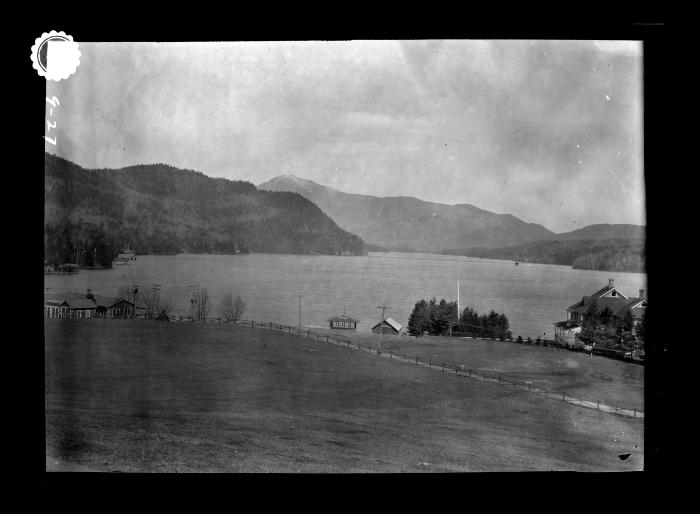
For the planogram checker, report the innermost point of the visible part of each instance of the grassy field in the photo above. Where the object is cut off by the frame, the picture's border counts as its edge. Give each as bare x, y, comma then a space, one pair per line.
150, 396
613, 382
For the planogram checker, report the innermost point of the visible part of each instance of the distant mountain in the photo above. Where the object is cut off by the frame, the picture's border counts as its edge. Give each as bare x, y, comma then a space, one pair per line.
160, 209
604, 231
408, 224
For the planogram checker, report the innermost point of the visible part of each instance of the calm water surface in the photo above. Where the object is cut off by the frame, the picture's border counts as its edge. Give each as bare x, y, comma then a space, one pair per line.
533, 296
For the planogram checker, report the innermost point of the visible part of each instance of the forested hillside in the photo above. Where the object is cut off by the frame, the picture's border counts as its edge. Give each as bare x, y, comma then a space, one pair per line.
160, 209
608, 254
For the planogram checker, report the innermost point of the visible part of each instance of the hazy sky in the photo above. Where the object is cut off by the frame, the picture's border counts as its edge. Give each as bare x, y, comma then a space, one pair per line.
550, 131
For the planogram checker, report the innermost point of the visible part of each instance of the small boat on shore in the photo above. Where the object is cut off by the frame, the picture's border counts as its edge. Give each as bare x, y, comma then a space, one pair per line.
125, 257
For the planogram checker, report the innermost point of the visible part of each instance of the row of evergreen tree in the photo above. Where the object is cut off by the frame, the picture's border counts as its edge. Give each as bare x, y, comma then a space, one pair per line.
441, 318
600, 327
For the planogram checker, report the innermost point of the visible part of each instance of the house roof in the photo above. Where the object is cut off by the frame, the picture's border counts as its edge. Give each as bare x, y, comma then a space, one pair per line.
598, 294
80, 303
618, 305
566, 324
108, 301
347, 319
72, 300
392, 323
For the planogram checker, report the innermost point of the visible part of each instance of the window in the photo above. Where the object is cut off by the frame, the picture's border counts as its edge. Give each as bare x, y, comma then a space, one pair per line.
87, 314
79, 314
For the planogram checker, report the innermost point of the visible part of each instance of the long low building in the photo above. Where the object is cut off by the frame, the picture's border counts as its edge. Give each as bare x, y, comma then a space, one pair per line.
74, 305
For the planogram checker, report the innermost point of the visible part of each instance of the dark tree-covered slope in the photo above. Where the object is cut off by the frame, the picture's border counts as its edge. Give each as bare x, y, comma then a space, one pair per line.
160, 209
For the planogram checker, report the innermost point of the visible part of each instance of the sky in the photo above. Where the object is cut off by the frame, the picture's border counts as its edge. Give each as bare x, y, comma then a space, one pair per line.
549, 131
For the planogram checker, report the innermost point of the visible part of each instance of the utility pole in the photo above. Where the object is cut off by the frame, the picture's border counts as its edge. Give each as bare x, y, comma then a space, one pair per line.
381, 325
135, 290
457, 299
154, 304
300, 311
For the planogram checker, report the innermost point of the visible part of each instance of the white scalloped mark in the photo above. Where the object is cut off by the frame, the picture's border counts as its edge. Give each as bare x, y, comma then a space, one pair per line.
62, 55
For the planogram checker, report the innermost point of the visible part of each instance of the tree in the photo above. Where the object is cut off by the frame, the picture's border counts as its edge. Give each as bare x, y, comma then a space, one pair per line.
200, 305
503, 326
606, 316
592, 317
226, 307
238, 308
642, 328
627, 323
469, 321
166, 305
590, 322
418, 321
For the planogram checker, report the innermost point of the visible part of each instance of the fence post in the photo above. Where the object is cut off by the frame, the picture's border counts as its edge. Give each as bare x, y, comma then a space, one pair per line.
563, 396
416, 361
443, 367
469, 372
598, 405
634, 413
528, 386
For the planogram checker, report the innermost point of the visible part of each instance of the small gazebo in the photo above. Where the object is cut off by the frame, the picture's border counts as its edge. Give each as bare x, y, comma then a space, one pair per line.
343, 323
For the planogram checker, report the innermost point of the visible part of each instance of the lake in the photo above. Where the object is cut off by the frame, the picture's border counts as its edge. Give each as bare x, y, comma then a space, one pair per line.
533, 296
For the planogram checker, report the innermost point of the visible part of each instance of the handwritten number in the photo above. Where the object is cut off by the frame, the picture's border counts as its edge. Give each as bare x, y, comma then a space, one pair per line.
50, 125
53, 101
52, 141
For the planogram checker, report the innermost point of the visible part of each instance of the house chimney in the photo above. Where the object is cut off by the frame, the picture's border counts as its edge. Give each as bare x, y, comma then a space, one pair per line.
642, 294
89, 295
611, 282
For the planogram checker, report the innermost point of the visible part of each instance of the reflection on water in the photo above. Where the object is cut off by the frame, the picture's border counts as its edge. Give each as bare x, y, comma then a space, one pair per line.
533, 296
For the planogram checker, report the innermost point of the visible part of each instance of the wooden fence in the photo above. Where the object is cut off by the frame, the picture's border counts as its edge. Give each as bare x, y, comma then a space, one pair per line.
459, 371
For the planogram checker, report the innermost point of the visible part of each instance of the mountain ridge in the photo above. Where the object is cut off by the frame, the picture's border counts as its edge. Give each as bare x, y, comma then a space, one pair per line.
404, 223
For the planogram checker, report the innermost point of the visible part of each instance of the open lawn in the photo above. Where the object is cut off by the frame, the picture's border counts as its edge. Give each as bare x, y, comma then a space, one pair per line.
149, 396
612, 382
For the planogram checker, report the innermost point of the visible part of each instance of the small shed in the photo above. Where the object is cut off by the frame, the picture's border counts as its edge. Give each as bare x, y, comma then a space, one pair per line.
343, 323
388, 326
